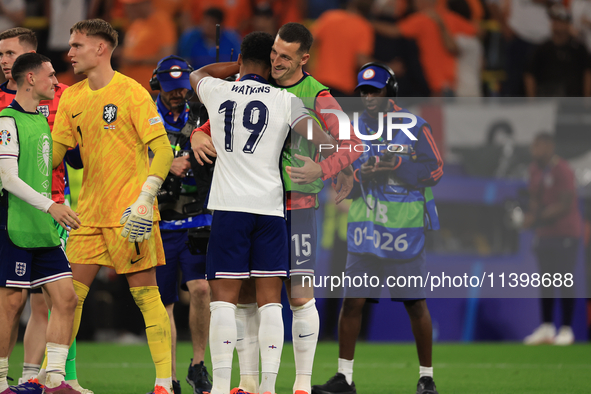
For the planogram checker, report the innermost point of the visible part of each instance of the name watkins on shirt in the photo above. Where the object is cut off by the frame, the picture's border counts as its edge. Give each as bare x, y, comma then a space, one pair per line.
246, 90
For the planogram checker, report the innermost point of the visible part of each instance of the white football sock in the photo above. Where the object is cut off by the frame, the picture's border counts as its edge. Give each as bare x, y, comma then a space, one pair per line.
41, 377
164, 382
3, 373
247, 346
346, 368
56, 364
271, 344
305, 327
222, 340
425, 371
30, 371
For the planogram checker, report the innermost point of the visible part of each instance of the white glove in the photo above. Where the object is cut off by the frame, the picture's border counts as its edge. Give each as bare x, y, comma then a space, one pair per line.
138, 218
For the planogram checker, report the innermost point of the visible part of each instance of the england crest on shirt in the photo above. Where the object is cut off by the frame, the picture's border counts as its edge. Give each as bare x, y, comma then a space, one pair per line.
20, 269
110, 113
44, 109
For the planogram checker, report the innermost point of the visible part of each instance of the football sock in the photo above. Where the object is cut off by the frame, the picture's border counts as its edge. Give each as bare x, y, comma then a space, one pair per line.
568, 309
247, 346
71, 363
56, 364
346, 368
222, 341
44, 363
426, 371
42, 374
305, 327
30, 371
81, 291
71, 360
547, 309
147, 298
3, 373
271, 344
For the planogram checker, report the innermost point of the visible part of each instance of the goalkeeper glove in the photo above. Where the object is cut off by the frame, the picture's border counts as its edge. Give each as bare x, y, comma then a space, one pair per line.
138, 218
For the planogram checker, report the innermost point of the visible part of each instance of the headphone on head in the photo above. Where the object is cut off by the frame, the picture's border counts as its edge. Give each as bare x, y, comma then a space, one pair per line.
391, 84
155, 83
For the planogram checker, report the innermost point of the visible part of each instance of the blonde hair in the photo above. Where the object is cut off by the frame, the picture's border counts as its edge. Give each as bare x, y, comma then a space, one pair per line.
97, 27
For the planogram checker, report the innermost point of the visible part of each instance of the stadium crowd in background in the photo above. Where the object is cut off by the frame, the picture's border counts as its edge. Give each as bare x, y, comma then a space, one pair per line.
467, 48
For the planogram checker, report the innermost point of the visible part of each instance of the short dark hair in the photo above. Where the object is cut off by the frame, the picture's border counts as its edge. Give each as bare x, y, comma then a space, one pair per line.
97, 27
296, 32
25, 36
215, 13
256, 48
544, 136
25, 63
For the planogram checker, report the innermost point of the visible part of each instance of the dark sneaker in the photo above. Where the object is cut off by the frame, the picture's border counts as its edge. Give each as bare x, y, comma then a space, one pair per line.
426, 385
176, 387
336, 384
199, 378
32, 386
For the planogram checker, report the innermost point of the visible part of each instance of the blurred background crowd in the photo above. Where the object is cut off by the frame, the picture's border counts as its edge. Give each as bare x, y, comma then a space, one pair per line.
465, 48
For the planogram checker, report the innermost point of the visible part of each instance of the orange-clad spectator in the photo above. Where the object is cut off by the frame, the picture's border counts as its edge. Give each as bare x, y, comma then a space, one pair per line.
433, 29
344, 40
150, 36
237, 13
474, 11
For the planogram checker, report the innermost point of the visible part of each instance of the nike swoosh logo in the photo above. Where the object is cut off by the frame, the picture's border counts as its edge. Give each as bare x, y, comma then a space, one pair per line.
304, 336
239, 339
80, 132
135, 261
301, 262
73, 116
151, 326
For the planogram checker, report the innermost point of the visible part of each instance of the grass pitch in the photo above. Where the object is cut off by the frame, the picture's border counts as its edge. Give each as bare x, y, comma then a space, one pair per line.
502, 368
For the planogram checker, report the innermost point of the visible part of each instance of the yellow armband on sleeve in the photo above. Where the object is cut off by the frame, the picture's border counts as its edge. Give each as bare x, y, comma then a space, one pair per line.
162, 157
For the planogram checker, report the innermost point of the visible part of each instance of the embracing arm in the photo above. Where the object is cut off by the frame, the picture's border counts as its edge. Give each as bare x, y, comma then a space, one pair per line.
215, 70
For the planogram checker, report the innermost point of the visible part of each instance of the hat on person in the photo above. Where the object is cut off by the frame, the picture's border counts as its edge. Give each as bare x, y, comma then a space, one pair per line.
174, 79
373, 76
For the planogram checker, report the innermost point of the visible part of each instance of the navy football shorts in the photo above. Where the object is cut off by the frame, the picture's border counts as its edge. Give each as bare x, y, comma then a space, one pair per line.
23, 268
244, 245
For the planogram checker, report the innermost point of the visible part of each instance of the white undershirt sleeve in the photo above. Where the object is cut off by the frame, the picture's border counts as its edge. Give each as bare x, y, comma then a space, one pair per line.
13, 184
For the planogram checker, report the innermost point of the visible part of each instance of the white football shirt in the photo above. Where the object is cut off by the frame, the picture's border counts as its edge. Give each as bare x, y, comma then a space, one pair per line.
250, 121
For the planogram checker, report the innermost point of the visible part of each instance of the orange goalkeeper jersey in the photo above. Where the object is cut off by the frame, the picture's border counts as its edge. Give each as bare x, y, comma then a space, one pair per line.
113, 126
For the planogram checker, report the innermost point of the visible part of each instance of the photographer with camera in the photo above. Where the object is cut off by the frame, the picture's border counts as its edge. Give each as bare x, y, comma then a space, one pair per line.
392, 209
185, 222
